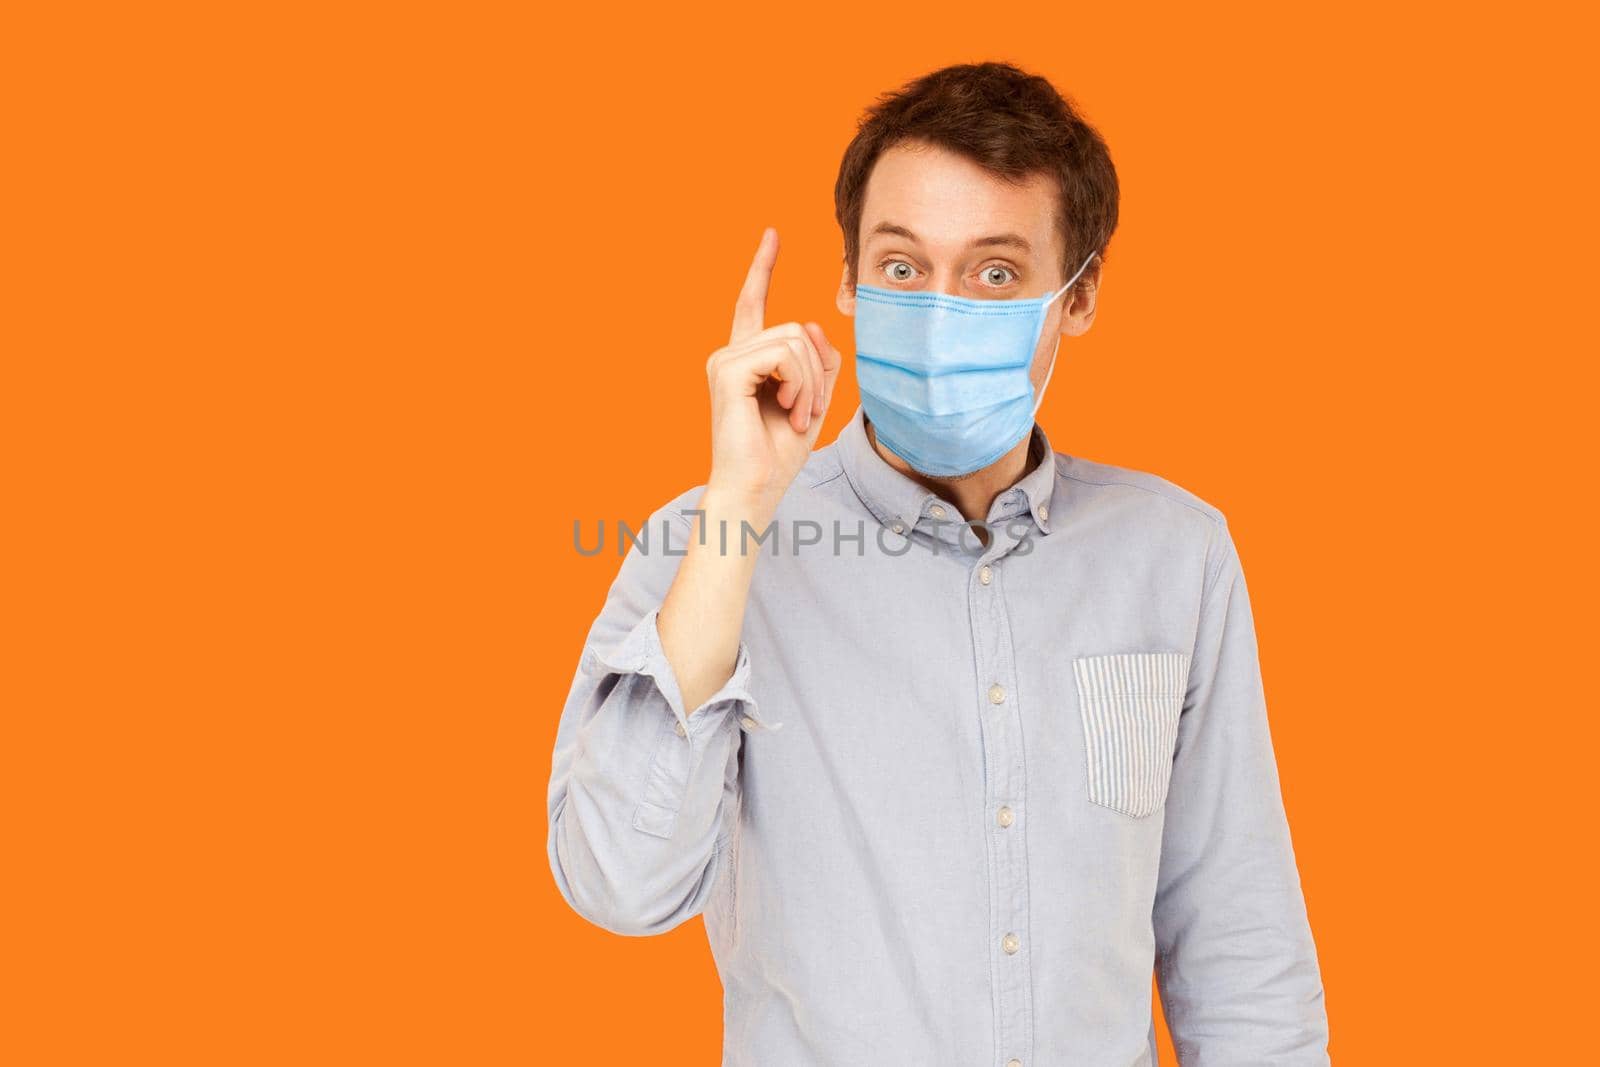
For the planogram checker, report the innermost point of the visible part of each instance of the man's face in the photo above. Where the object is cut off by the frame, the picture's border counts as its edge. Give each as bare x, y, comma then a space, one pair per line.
935, 221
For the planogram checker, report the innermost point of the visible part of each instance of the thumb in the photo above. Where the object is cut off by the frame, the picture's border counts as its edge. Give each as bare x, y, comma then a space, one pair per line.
831, 360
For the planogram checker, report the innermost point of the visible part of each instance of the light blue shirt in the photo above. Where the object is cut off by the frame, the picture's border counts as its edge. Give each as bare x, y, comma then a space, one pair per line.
956, 801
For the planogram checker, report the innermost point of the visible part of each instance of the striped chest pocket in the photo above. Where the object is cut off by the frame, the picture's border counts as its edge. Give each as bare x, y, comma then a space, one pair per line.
1130, 703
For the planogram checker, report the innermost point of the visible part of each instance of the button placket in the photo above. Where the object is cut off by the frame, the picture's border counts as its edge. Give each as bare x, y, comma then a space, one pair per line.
1004, 785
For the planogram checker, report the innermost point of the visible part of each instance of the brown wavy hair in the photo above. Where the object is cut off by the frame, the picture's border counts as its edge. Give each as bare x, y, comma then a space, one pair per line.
1006, 120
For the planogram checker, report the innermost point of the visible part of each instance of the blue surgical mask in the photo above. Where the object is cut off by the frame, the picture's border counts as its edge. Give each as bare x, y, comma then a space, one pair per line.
944, 379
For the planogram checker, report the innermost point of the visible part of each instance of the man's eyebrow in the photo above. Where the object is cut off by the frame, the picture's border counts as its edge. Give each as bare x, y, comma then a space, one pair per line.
1014, 240
893, 231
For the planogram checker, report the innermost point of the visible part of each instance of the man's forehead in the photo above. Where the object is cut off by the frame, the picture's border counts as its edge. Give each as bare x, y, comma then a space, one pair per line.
933, 196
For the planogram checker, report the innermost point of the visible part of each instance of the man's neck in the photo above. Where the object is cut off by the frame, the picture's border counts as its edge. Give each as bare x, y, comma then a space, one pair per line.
972, 494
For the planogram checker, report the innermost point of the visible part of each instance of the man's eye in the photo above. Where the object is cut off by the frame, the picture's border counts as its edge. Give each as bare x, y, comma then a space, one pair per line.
990, 272
900, 271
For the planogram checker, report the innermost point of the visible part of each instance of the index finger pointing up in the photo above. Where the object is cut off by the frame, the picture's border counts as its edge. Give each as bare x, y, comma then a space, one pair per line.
750, 313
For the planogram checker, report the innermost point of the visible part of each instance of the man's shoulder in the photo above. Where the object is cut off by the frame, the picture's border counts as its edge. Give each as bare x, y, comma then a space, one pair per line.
1098, 483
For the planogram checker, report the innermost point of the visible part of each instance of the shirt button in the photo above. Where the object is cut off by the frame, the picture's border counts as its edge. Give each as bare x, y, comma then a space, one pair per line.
749, 723
678, 726
898, 527
1013, 1063
997, 693
985, 575
1044, 512
936, 511
1005, 817
1010, 943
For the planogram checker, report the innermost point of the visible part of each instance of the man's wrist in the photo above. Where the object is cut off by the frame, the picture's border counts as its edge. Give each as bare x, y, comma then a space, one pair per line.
752, 505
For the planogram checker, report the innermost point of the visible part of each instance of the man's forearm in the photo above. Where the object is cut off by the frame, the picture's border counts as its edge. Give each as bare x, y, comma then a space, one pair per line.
702, 615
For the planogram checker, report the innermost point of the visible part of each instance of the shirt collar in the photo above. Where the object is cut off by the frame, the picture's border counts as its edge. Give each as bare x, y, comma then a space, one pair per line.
896, 500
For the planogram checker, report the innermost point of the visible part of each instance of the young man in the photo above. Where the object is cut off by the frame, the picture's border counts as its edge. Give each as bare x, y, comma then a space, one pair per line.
950, 737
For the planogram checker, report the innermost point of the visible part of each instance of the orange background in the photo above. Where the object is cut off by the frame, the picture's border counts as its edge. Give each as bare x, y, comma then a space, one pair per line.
322, 326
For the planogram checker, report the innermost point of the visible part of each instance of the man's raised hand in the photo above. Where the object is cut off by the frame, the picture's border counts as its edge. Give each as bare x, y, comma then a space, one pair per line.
770, 388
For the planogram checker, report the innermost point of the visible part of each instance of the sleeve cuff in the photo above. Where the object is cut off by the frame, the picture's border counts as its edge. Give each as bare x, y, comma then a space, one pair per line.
640, 652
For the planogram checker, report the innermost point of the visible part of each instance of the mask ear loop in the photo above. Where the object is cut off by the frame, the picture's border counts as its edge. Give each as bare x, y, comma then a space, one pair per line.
1040, 398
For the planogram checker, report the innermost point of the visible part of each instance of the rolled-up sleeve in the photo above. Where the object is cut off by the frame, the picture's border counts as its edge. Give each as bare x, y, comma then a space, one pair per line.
1237, 967
643, 791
